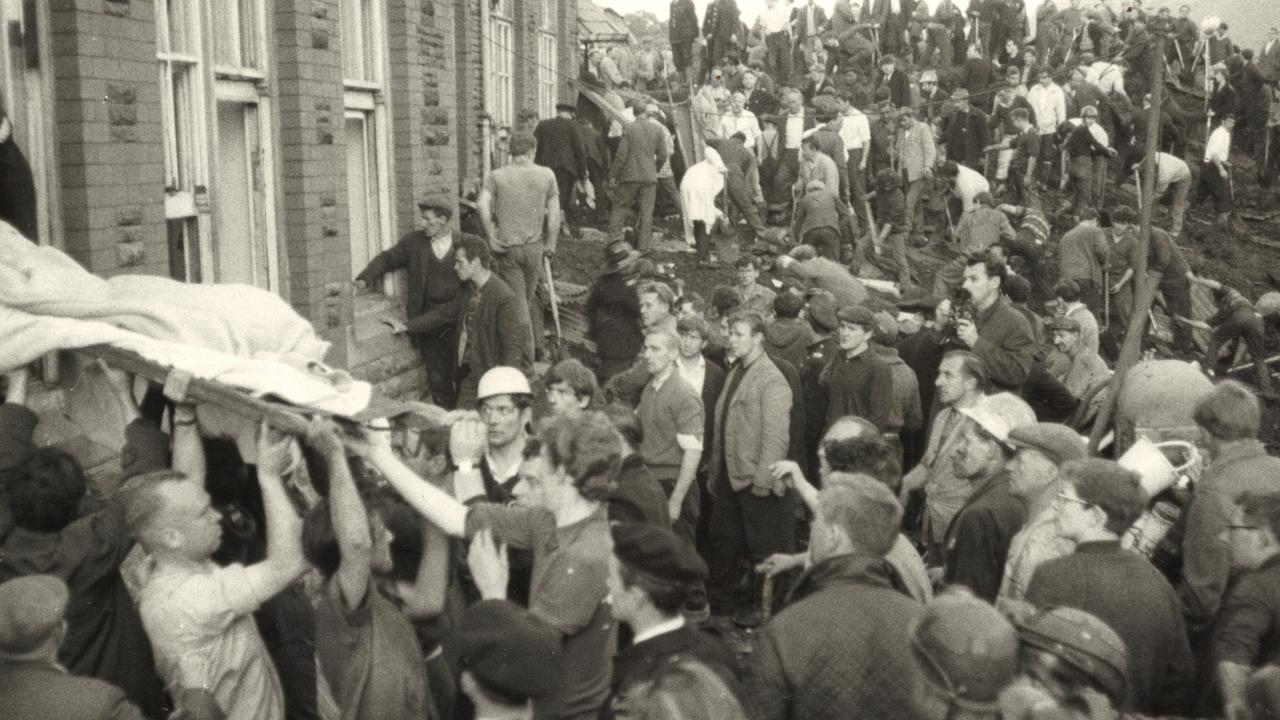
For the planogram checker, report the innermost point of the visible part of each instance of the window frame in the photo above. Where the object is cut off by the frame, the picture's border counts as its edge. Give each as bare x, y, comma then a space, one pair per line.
227, 11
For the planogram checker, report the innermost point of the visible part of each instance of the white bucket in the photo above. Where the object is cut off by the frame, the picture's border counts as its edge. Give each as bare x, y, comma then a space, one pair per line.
1151, 462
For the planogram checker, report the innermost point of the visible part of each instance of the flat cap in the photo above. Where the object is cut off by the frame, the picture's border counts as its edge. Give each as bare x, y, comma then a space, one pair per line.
657, 553
509, 650
1124, 214
856, 314
31, 607
566, 107
822, 309
918, 301
1057, 442
1064, 324
885, 328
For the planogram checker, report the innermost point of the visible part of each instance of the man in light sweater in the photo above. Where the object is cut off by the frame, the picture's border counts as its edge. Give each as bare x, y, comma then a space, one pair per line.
1049, 104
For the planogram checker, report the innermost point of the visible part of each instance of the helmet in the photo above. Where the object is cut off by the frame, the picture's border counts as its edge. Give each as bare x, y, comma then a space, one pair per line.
967, 649
1084, 642
502, 380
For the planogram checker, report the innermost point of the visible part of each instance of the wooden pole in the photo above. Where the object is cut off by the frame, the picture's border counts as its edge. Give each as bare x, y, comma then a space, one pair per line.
1145, 287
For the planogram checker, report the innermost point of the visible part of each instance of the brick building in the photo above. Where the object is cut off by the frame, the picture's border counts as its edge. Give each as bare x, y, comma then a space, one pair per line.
280, 143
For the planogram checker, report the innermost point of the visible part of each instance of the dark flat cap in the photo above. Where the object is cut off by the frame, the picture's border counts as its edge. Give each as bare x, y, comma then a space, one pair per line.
1057, 442
31, 608
1064, 324
822, 309
918, 302
509, 650
566, 107
858, 315
657, 553
1124, 214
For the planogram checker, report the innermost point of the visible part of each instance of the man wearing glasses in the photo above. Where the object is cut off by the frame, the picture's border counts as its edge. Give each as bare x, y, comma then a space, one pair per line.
1245, 634
1229, 418
1097, 503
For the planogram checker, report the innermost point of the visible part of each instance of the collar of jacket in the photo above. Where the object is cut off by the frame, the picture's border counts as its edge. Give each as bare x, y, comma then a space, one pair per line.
1244, 451
985, 315
848, 569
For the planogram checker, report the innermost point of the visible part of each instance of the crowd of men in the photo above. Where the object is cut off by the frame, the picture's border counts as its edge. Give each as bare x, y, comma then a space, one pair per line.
889, 498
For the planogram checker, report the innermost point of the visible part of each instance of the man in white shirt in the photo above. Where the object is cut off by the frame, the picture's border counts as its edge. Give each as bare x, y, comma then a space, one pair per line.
1173, 171
199, 615
775, 21
855, 132
740, 119
1215, 171
1107, 76
1049, 104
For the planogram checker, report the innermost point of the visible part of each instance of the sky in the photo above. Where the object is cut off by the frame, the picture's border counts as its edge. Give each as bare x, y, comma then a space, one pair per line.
1249, 19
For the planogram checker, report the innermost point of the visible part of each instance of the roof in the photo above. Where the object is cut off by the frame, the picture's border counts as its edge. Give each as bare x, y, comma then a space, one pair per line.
601, 25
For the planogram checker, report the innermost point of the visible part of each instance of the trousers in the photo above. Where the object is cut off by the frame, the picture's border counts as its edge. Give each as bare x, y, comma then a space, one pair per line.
520, 267
637, 196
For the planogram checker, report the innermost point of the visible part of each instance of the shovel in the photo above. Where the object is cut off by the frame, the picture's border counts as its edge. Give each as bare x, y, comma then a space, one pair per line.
555, 308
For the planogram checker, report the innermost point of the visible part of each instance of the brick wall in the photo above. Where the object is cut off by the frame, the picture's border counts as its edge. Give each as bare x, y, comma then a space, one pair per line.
470, 85
424, 100
313, 162
109, 138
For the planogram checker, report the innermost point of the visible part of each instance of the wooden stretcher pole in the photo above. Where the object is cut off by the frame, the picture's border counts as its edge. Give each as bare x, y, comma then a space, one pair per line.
281, 417
1145, 286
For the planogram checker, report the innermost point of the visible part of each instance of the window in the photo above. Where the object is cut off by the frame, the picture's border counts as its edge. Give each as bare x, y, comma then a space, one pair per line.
365, 132
238, 38
547, 75
361, 41
501, 89
181, 94
184, 129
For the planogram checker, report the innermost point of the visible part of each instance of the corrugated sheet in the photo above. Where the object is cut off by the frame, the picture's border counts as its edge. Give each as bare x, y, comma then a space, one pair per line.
596, 25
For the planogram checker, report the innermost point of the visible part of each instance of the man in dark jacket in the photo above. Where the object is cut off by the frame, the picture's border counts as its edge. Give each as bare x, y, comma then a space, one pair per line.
893, 77
652, 574
634, 172
741, 178
965, 133
1246, 634
976, 544
683, 31
1229, 417
494, 329
33, 685
613, 312
856, 672
432, 293
1098, 502
101, 635
562, 148
856, 381
721, 27
996, 332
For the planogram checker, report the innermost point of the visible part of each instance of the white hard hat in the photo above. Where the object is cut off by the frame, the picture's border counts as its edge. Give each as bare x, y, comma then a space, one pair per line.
998, 414
502, 380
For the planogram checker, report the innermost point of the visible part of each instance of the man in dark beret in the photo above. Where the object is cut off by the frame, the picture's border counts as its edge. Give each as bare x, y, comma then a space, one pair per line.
651, 575
507, 657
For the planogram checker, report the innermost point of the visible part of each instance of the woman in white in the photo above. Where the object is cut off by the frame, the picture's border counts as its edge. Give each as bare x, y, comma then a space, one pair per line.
701, 185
